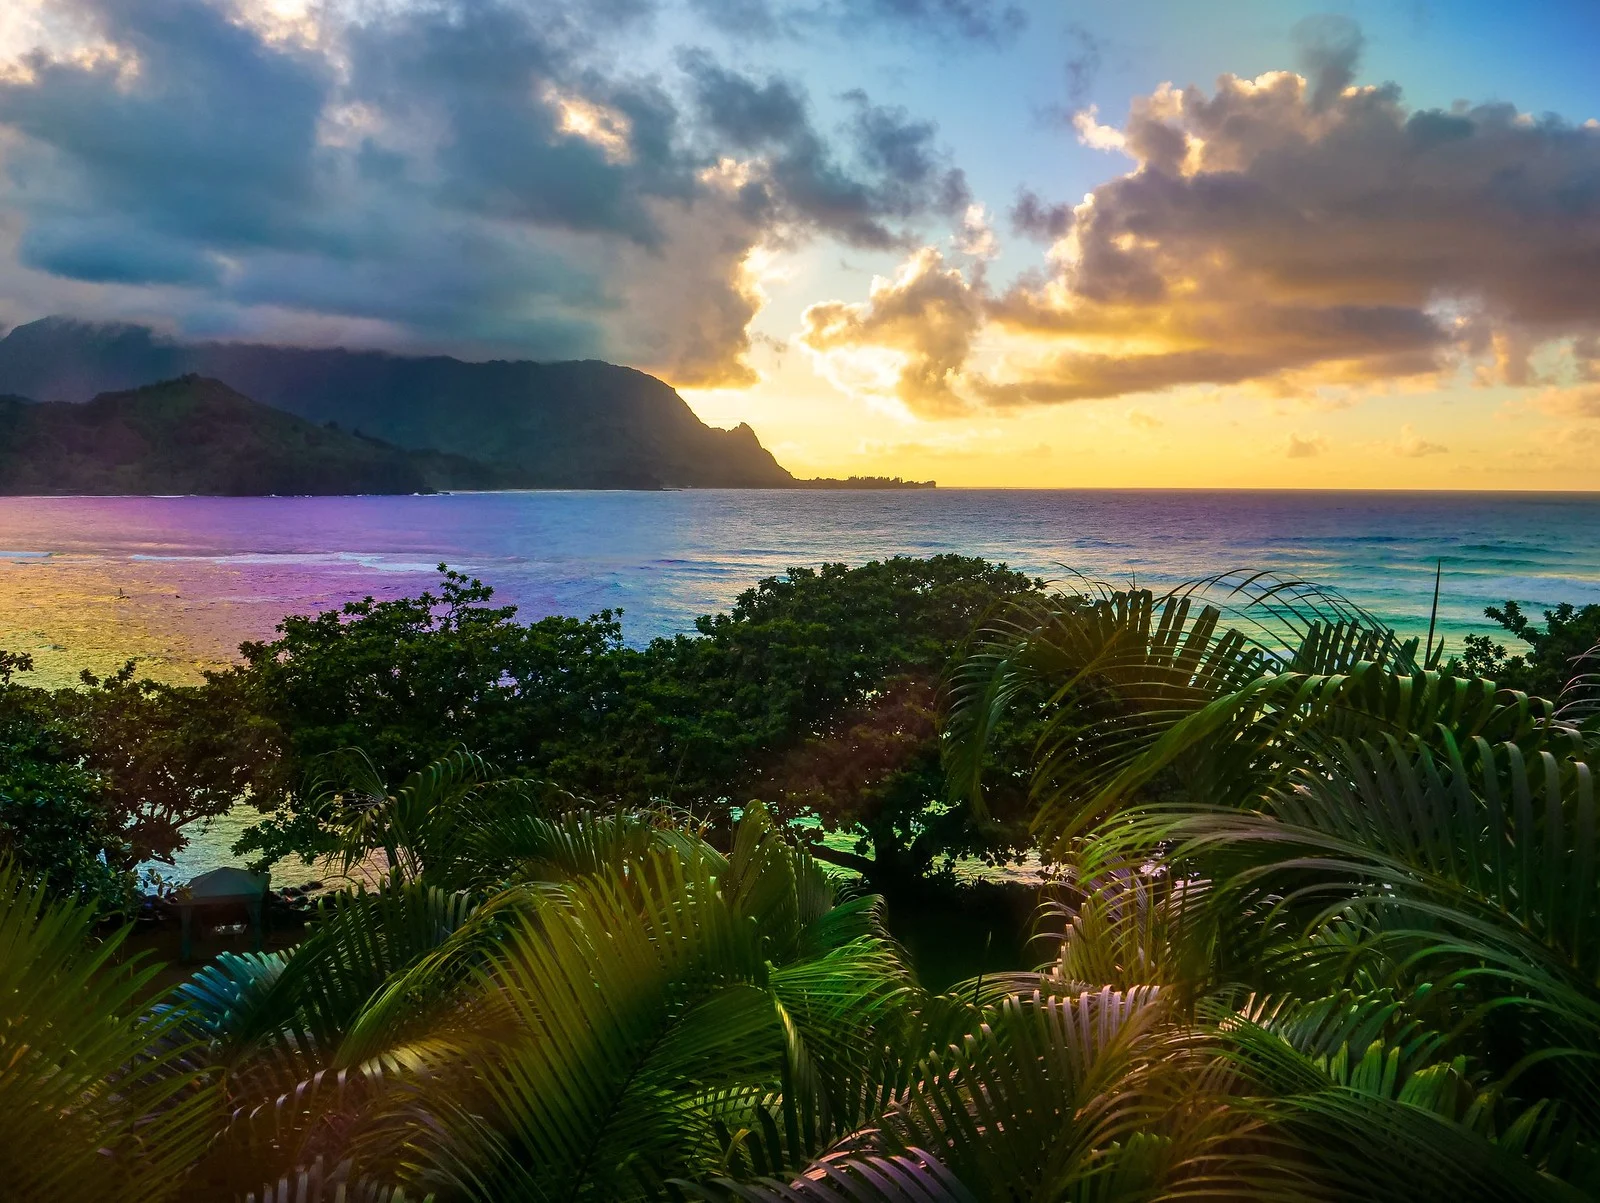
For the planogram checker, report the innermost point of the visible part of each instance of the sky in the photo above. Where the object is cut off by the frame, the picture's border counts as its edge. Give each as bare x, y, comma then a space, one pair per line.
1145, 243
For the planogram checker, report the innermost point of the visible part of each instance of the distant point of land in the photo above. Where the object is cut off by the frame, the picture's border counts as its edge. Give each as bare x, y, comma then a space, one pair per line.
863, 482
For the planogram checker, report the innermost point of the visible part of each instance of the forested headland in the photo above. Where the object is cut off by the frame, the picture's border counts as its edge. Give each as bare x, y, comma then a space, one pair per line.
1320, 915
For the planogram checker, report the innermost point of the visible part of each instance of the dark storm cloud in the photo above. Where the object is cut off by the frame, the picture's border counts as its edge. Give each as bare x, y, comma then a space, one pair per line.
108, 251
745, 18
896, 170
483, 175
804, 181
901, 150
192, 155
201, 134
487, 78
750, 115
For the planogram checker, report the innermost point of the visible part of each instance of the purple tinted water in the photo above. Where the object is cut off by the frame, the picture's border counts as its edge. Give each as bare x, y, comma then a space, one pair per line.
182, 580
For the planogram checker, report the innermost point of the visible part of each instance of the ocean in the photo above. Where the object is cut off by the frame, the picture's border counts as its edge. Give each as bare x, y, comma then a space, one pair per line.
178, 582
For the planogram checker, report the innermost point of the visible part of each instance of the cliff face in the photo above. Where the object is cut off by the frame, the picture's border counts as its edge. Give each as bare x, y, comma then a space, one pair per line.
567, 425
193, 435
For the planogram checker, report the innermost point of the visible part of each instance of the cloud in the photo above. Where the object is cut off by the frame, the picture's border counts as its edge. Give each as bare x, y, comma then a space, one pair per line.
500, 92
1330, 50
746, 18
1140, 420
974, 20
984, 21
976, 236
906, 342
152, 134
912, 173
1299, 236
750, 115
429, 185
1084, 61
1414, 446
478, 176
1037, 219
1582, 402
896, 171
1267, 238
1091, 133
1305, 446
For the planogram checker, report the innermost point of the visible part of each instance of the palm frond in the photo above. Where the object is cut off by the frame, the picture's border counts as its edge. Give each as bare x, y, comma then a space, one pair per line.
640, 1019
1036, 1094
1579, 702
1124, 668
1381, 1122
316, 1184
430, 826
846, 1177
99, 1097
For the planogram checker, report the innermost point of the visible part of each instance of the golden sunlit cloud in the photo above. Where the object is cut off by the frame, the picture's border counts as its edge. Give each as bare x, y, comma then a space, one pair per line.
1296, 238
907, 343
1092, 133
1582, 402
1305, 446
600, 126
1414, 446
976, 236
284, 20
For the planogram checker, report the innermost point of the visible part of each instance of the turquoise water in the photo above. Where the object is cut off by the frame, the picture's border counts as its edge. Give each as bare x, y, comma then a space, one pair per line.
180, 581
665, 557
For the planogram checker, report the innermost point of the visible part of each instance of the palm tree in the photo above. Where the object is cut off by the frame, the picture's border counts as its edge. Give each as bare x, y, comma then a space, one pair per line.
1371, 885
633, 1007
100, 1099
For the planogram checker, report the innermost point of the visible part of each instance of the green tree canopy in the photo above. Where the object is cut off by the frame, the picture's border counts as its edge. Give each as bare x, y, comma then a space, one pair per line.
97, 779
754, 704
1552, 655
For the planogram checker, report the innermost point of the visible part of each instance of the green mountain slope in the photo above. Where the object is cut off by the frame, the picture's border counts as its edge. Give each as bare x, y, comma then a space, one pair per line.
194, 435
578, 424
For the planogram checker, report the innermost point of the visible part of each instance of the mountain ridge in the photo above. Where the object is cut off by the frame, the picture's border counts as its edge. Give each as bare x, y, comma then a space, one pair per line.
193, 435
571, 424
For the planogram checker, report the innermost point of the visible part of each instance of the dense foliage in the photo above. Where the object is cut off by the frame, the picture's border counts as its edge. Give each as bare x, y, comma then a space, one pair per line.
1373, 886
805, 674
1550, 661
97, 779
1326, 930
816, 691
55, 817
96, 1087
